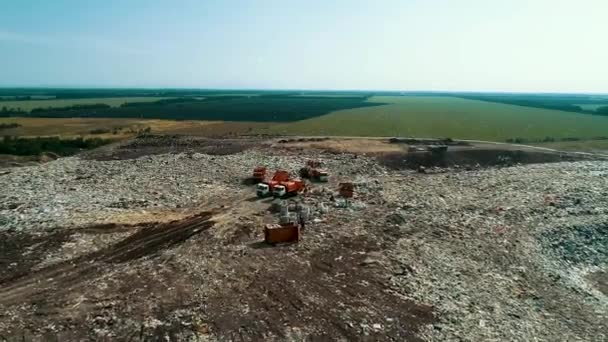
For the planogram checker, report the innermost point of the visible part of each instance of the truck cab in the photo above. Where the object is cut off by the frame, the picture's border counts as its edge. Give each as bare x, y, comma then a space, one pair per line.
279, 191
262, 190
322, 176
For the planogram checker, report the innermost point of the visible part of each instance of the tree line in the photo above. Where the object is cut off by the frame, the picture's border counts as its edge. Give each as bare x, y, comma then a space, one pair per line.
35, 146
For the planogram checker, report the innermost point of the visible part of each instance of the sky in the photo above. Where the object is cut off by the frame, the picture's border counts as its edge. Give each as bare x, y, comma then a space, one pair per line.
451, 45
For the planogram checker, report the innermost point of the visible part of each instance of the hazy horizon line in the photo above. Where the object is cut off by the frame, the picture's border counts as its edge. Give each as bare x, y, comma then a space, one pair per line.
68, 87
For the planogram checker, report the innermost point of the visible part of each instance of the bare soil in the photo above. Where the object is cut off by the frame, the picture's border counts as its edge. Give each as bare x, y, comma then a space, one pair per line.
269, 292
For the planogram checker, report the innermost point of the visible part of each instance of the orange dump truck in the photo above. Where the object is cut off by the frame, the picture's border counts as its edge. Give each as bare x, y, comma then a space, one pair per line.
289, 188
313, 171
346, 190
265, 189
259, 174
277, 233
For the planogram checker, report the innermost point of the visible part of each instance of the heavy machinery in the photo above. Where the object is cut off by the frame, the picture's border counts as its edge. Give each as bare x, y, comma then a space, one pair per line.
278, 233
259, 174
290, 224
266, 188
288, 188
313, 171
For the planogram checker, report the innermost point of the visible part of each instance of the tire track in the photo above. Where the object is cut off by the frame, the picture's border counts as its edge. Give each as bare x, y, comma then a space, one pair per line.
67, 275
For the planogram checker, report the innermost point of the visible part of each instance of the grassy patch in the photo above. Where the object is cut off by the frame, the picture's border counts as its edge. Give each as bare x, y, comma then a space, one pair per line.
426, 116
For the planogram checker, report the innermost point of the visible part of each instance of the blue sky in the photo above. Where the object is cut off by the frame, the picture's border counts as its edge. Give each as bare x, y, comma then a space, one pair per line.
514, 45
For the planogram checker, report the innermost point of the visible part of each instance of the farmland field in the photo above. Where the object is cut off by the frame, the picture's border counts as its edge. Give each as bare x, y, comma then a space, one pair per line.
76, 127
427, 116
216, 113
28, 105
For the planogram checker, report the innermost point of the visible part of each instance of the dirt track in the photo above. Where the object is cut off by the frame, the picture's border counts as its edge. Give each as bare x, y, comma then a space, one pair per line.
69, 275
321, 293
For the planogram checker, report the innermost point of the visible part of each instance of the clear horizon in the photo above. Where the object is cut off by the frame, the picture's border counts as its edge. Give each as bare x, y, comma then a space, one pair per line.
539, 46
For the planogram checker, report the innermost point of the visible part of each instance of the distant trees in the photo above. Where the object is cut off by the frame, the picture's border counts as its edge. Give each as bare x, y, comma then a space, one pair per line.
70, 108
6, 112
224, 108
9, 125
34, 146
602, 110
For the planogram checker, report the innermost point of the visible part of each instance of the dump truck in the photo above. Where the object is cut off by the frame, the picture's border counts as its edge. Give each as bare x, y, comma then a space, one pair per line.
280, 233
259, 174
288, 188
313, 171
289, 227
266, 188
346, 190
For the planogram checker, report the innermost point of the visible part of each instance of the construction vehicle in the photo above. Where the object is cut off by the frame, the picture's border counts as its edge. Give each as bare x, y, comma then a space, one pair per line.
278, 233
266, 188
259, 174
288, 188
346, 190
438, 149
313, 171
290, 224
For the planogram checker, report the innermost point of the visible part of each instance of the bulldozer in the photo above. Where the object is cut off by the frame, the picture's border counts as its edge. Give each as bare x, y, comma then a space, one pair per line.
313, 171
266, 188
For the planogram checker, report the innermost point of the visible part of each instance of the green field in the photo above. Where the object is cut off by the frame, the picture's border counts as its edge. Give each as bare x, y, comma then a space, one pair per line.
427, 116
28, 105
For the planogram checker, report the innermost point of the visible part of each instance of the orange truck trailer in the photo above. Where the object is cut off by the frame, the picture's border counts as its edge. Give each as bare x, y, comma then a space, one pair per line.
288, 188
259, 174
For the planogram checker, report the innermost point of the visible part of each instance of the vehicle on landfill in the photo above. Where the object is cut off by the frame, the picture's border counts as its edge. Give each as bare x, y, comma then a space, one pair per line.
346, 189
281, 233
289, 188
259, 174
313, 171
266, 188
